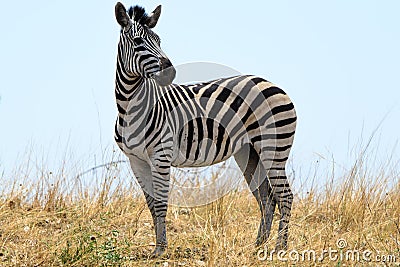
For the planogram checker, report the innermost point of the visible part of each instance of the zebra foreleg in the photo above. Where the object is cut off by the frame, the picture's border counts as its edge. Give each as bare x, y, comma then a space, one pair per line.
161, 191
159, 225
143, 173
150, 205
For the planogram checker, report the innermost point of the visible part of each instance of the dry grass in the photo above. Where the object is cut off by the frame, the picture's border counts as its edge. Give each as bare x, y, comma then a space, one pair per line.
48, 225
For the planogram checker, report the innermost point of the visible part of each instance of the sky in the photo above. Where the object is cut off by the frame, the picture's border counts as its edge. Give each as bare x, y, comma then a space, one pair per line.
339, 61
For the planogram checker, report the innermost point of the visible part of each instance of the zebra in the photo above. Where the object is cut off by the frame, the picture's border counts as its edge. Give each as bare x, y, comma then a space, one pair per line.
162, 125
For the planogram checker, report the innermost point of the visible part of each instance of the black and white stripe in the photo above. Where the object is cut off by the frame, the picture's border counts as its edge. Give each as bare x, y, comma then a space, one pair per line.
161, 124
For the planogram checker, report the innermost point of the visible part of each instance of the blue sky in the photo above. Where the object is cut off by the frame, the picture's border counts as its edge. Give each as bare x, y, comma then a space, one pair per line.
339, 61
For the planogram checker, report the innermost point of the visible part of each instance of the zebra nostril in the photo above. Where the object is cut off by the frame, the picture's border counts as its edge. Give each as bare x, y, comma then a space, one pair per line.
165, 63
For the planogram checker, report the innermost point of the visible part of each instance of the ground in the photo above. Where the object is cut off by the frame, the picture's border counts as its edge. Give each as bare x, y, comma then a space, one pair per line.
352, 223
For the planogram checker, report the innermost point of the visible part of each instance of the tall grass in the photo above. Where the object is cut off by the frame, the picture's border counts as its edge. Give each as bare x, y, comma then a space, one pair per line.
70, 217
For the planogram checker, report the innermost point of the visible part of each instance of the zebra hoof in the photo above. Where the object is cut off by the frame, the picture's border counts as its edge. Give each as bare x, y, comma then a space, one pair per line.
260, 242
281, 246
158, 251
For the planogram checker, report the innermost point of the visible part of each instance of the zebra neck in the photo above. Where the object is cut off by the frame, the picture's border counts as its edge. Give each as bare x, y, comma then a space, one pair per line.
137, 94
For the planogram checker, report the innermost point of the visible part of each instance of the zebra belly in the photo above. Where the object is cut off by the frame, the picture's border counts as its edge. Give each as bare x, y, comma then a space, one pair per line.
203, 144
201, 159
205, 157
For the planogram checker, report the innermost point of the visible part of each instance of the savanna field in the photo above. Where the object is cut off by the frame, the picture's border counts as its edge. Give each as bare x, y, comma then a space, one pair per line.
348, 220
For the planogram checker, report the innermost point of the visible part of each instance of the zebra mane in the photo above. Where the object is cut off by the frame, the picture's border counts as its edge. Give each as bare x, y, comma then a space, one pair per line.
138, 14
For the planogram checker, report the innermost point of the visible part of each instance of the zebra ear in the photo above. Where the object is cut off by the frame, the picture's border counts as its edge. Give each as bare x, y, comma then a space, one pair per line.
121, 15
153, 17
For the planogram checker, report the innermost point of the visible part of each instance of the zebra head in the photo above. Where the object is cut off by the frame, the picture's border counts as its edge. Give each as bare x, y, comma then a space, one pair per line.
139, 48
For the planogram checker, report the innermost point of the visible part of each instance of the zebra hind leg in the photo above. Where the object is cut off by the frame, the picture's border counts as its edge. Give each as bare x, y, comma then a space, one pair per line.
251, 166
284, 198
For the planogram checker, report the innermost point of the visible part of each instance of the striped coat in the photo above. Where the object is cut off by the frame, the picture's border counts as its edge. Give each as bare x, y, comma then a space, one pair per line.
161, 124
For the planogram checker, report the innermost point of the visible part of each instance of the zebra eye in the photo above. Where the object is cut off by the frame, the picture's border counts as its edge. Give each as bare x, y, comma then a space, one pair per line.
138, 41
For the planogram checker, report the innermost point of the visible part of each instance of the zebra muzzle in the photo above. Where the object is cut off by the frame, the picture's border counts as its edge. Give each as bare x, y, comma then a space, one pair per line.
167, 73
